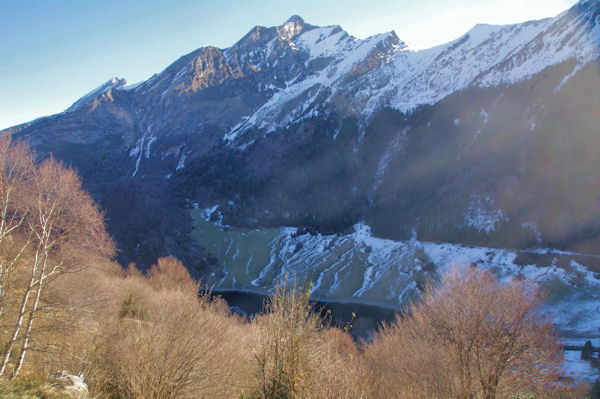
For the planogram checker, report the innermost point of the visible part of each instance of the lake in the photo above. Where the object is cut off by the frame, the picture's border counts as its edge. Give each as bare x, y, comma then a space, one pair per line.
367, 318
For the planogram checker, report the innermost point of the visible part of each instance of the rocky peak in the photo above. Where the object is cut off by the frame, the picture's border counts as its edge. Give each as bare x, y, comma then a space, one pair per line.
290, 28
105, 88
381, 54
209, 68
256, 37
392, 42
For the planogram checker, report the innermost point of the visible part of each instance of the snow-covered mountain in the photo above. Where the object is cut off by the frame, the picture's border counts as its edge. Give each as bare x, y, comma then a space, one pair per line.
487, 139
381, 71
306, 71
281, 75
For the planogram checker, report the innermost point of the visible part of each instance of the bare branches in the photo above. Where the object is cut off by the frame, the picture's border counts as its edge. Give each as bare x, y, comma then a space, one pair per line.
470, 337
16, 168
48, 226
163, 341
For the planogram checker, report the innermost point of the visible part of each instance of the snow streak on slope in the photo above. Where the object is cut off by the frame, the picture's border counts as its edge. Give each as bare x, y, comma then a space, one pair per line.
482, 215
368, 268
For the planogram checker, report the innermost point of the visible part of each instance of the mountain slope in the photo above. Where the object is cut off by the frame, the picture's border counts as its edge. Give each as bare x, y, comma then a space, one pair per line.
488, 139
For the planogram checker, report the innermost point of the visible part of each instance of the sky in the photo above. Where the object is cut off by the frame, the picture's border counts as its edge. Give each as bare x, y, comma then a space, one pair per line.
55, 51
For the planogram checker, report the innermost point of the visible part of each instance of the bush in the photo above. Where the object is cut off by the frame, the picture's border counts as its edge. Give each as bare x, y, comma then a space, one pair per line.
468, 337
298, 356
281, 353
587, 353
166, 342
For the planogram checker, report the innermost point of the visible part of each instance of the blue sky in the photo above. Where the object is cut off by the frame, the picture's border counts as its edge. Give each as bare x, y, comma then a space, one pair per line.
53, 52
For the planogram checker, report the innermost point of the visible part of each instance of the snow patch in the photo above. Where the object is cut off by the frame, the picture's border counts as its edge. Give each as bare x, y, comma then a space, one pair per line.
484, 115
142, 148
531, 124
566, 78
533, 227
482, 215
213, 215
181, 163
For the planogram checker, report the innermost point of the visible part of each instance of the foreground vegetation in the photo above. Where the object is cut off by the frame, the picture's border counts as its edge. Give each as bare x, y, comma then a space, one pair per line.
69, 314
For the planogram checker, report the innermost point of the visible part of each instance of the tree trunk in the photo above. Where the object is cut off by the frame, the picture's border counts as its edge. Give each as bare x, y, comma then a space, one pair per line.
30, 321
18, 324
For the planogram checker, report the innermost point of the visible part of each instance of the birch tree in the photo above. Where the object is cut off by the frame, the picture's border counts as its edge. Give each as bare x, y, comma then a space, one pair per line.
16, 168
61, 231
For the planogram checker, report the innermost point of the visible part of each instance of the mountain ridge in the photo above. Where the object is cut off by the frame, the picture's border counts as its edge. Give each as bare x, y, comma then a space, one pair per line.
378, 71
206, 55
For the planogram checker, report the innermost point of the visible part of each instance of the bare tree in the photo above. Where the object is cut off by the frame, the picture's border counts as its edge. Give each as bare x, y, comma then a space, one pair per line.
16, 168
61, 231
283, 334
469, 337
169, 273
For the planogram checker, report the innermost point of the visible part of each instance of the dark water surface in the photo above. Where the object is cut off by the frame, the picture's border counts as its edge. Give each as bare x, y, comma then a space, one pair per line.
367, 318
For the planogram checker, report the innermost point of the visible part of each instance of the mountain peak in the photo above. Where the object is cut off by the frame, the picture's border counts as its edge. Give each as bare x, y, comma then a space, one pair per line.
393, 35
112, 83
292, 27
297, 19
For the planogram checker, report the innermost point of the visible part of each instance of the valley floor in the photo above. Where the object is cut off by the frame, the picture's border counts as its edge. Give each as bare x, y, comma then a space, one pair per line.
363, 269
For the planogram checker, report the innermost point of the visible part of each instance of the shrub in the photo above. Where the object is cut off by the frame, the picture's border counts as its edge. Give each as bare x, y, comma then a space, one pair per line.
281, 353
298, 356
587, 353
468, 337
163, 341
